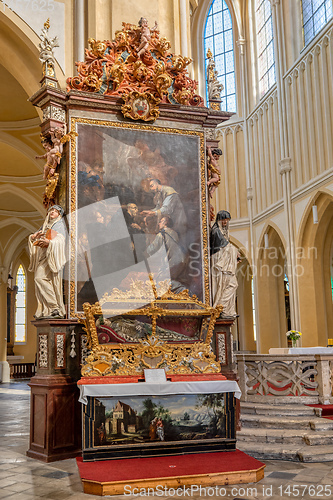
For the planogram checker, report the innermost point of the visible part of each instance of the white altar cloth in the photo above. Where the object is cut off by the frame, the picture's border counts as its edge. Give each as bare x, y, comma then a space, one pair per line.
301, 350
158, 389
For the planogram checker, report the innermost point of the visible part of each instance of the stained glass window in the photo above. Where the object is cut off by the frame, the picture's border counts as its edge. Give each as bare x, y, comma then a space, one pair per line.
316, 13
265, 46
218, 38
20, 312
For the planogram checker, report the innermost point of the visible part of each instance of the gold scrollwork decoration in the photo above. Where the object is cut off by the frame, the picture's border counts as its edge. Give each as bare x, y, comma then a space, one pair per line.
161, 79
137, 60
97, 47
132, 359
51, 185
151, 352
140, 106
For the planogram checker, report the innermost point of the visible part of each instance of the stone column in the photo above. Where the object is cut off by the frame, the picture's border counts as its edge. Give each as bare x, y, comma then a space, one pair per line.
324, 378
183, 27
79, 30
285, 163
241, 43
4, 366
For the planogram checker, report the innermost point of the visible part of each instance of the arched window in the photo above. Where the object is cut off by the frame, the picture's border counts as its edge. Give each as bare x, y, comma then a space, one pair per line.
265, 46
218, 37
20, 312
316, 13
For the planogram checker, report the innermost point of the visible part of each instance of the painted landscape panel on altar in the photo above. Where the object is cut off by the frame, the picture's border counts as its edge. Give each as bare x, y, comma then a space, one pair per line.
142, 419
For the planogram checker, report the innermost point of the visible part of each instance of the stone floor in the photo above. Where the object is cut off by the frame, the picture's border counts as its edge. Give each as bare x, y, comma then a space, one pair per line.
22, 478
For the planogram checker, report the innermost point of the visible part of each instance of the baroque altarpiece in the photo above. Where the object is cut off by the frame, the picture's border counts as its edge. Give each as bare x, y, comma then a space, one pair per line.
126, 159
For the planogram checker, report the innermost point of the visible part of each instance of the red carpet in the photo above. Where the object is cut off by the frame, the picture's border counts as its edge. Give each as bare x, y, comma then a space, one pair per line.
327, 410
170, 466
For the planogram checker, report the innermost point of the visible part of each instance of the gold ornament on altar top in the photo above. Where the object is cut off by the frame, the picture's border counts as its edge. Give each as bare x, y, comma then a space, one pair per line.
140, 106
97, 47
132, 358
137, 60
46, 55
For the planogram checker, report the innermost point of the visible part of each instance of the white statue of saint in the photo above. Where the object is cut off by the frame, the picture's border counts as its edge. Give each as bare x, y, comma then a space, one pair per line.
224, 258
47, 259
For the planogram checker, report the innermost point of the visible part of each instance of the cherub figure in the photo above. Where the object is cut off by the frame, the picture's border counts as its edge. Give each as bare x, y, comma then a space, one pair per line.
212, 165
57, 136
52, 157
145, 35
54, 148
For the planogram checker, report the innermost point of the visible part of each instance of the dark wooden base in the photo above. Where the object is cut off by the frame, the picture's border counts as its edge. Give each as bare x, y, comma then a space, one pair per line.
55, 423
54, 458
159, 449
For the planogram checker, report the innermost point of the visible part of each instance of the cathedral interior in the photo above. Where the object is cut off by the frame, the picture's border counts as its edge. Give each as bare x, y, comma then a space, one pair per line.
274, 61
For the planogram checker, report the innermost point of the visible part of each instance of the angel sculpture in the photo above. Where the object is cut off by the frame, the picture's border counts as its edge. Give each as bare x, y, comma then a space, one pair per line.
52, 157
57, 137
145, 35
212, 166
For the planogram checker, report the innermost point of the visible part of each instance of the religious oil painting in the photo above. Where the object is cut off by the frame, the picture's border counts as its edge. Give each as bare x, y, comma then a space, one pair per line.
139, 209
142, 419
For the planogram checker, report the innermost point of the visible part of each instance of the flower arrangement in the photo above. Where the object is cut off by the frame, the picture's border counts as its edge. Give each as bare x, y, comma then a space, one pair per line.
293, 335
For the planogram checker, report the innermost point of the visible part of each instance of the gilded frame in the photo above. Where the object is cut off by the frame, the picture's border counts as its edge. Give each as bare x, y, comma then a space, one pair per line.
130, 359
74, 122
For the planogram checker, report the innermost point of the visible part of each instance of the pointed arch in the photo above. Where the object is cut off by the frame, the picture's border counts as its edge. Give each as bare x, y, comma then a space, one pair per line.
21, 147
315, 241
20, 239
266, 229
20, 222
273, 306
21, 193
20, 305
323, 197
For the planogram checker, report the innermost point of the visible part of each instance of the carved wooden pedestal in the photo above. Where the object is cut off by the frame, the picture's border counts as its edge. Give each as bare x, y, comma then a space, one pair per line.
54, 418
222, 345
223, 348
55, 413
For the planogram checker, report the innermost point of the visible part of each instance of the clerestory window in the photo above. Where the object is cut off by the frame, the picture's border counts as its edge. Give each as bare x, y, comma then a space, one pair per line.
316, 13
218, 38
265, 46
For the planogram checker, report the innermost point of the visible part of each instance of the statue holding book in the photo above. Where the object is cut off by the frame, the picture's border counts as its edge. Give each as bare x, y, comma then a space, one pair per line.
47, 259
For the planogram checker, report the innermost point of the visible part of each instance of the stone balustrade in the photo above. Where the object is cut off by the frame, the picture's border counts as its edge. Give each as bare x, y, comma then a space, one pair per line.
286, 378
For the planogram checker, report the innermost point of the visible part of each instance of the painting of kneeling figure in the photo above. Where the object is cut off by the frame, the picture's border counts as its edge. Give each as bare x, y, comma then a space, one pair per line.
142, 419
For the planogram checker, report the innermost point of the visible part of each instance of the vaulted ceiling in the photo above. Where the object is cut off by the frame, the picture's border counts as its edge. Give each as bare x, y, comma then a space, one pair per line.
21, 184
